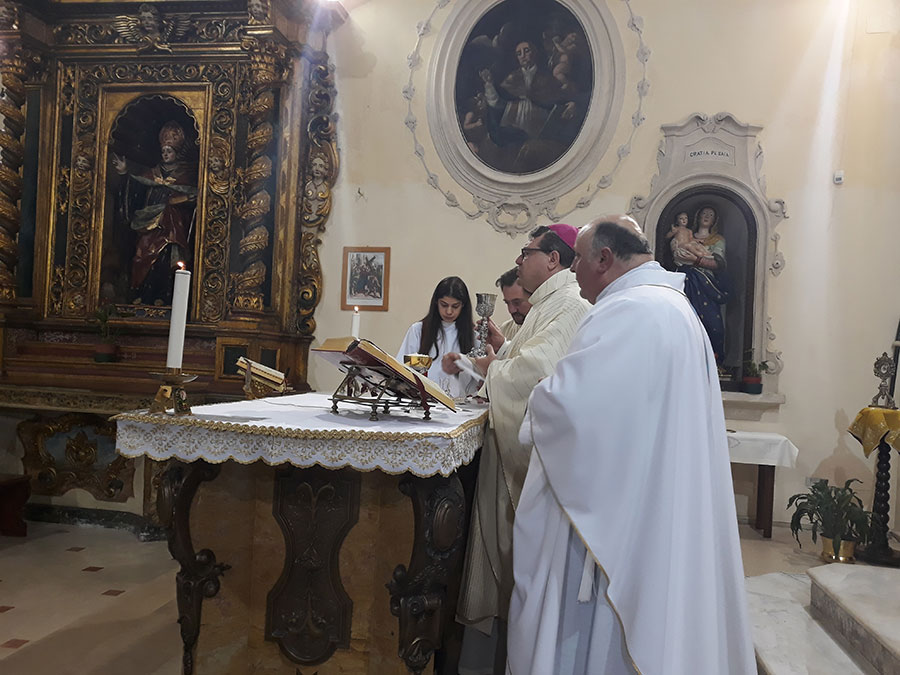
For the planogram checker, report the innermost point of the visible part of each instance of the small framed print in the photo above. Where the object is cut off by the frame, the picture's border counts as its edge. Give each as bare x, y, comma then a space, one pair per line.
365, 278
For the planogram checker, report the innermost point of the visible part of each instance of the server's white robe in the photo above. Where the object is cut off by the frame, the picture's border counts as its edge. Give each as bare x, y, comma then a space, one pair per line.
630, 461
557, 309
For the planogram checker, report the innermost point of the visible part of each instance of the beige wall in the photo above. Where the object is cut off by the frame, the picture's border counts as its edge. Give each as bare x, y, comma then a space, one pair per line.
820, 76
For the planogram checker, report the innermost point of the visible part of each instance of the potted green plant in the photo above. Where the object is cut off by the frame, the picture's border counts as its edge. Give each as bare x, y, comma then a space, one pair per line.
836, 512
752, 374
107, 351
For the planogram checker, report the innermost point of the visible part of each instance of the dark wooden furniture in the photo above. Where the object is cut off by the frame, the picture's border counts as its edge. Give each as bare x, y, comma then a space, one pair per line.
14, 492
765, 498
765, 450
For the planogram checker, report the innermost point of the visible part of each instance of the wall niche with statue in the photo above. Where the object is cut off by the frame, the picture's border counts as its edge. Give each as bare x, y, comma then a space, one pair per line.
150, 207
709, 234
708, 216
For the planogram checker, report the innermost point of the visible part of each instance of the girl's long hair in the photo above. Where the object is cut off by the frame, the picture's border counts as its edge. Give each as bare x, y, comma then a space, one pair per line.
453, 287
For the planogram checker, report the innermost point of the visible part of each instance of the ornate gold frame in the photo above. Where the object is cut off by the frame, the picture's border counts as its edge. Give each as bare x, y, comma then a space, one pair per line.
114, 99
113, 482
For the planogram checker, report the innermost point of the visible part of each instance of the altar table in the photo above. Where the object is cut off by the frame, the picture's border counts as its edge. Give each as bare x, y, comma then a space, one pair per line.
767, 450
319, 457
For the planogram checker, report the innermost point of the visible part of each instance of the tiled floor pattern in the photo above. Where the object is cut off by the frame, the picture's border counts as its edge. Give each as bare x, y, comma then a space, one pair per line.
95, 601
86, 600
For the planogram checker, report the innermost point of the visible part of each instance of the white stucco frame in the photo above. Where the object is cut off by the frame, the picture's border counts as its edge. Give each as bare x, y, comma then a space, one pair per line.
513, 203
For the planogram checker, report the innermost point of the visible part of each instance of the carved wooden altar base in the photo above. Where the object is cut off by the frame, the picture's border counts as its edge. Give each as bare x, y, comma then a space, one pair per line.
263, 615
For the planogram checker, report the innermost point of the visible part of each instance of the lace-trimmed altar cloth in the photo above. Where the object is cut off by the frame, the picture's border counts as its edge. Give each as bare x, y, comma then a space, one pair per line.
301, 430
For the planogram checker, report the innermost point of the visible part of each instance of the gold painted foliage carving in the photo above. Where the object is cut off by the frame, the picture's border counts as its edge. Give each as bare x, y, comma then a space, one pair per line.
77, 466
193, 31
314, 201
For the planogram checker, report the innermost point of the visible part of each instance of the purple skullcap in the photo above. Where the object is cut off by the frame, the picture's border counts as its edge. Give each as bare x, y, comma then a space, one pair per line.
565, 232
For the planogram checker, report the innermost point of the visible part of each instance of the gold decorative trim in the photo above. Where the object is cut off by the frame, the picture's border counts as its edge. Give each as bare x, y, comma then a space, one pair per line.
77, 467
106, 32
84, 84
297, 434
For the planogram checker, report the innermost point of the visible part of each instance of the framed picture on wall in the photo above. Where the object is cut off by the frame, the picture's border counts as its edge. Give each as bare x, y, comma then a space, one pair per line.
365, 278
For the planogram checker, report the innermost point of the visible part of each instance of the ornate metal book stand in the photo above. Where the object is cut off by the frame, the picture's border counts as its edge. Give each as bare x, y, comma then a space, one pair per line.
359, 388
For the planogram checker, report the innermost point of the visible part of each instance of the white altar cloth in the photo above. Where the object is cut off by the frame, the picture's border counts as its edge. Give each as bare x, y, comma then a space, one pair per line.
301, 430
761, 447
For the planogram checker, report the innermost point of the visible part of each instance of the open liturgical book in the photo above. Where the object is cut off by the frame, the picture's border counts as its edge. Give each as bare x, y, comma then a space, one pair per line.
378, 368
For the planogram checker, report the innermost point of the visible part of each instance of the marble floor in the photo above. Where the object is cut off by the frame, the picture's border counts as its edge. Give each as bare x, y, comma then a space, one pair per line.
97, 601
86, 600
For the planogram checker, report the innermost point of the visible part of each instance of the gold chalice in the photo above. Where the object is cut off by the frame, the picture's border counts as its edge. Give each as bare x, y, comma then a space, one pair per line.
418, 362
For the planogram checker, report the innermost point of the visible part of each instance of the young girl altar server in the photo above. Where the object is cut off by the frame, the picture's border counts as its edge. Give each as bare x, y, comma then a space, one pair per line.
447, 327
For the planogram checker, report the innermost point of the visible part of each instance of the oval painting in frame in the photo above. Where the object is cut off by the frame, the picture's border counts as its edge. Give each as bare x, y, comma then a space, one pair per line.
523, 85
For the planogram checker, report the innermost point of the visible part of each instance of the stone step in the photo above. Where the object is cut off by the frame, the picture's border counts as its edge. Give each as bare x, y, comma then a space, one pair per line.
788, 640
862, 604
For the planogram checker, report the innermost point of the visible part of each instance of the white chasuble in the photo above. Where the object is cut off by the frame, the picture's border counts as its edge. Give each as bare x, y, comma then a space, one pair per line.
509, 328
557, 309
630, 455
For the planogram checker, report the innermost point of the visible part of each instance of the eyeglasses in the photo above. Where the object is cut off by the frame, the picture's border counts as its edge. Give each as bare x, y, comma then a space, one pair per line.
526, 251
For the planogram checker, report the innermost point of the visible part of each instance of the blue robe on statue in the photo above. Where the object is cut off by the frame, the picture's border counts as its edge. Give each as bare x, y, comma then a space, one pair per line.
708, 291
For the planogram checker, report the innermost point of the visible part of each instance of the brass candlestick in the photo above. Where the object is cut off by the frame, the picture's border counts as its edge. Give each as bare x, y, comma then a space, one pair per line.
171, 393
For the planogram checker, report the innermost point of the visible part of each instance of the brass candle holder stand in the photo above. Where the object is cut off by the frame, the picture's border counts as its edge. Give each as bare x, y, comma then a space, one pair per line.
171, 393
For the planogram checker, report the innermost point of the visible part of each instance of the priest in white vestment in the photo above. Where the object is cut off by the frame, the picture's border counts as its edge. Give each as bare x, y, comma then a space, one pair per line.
556, 310
626, 547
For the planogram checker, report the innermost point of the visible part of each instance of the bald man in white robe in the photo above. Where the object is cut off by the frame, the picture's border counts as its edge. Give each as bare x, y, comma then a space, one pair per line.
556, 310
626, 549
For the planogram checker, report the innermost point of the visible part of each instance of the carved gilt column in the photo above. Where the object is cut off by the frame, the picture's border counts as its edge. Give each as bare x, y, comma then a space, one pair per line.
267, 65
13, 63
319, 174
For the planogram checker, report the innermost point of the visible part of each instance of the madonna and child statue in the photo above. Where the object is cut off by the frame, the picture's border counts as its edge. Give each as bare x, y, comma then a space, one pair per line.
699, 253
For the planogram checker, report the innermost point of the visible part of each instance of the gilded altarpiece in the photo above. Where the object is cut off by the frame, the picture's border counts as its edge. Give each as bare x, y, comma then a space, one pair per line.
210, 121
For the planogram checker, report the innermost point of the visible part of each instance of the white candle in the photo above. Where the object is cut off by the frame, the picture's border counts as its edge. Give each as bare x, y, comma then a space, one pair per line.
354, 323
179, 317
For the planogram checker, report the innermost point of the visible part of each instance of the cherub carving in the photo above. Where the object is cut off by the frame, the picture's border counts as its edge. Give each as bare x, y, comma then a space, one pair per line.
151, 30
317, 193
219, 171
258, 10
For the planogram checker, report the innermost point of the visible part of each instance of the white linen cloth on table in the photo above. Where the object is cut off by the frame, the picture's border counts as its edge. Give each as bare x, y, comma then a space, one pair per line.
761, 447
302, 430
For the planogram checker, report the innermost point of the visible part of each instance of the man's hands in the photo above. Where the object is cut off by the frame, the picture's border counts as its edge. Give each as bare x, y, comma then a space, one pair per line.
448, 363
482, 363
494, 337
